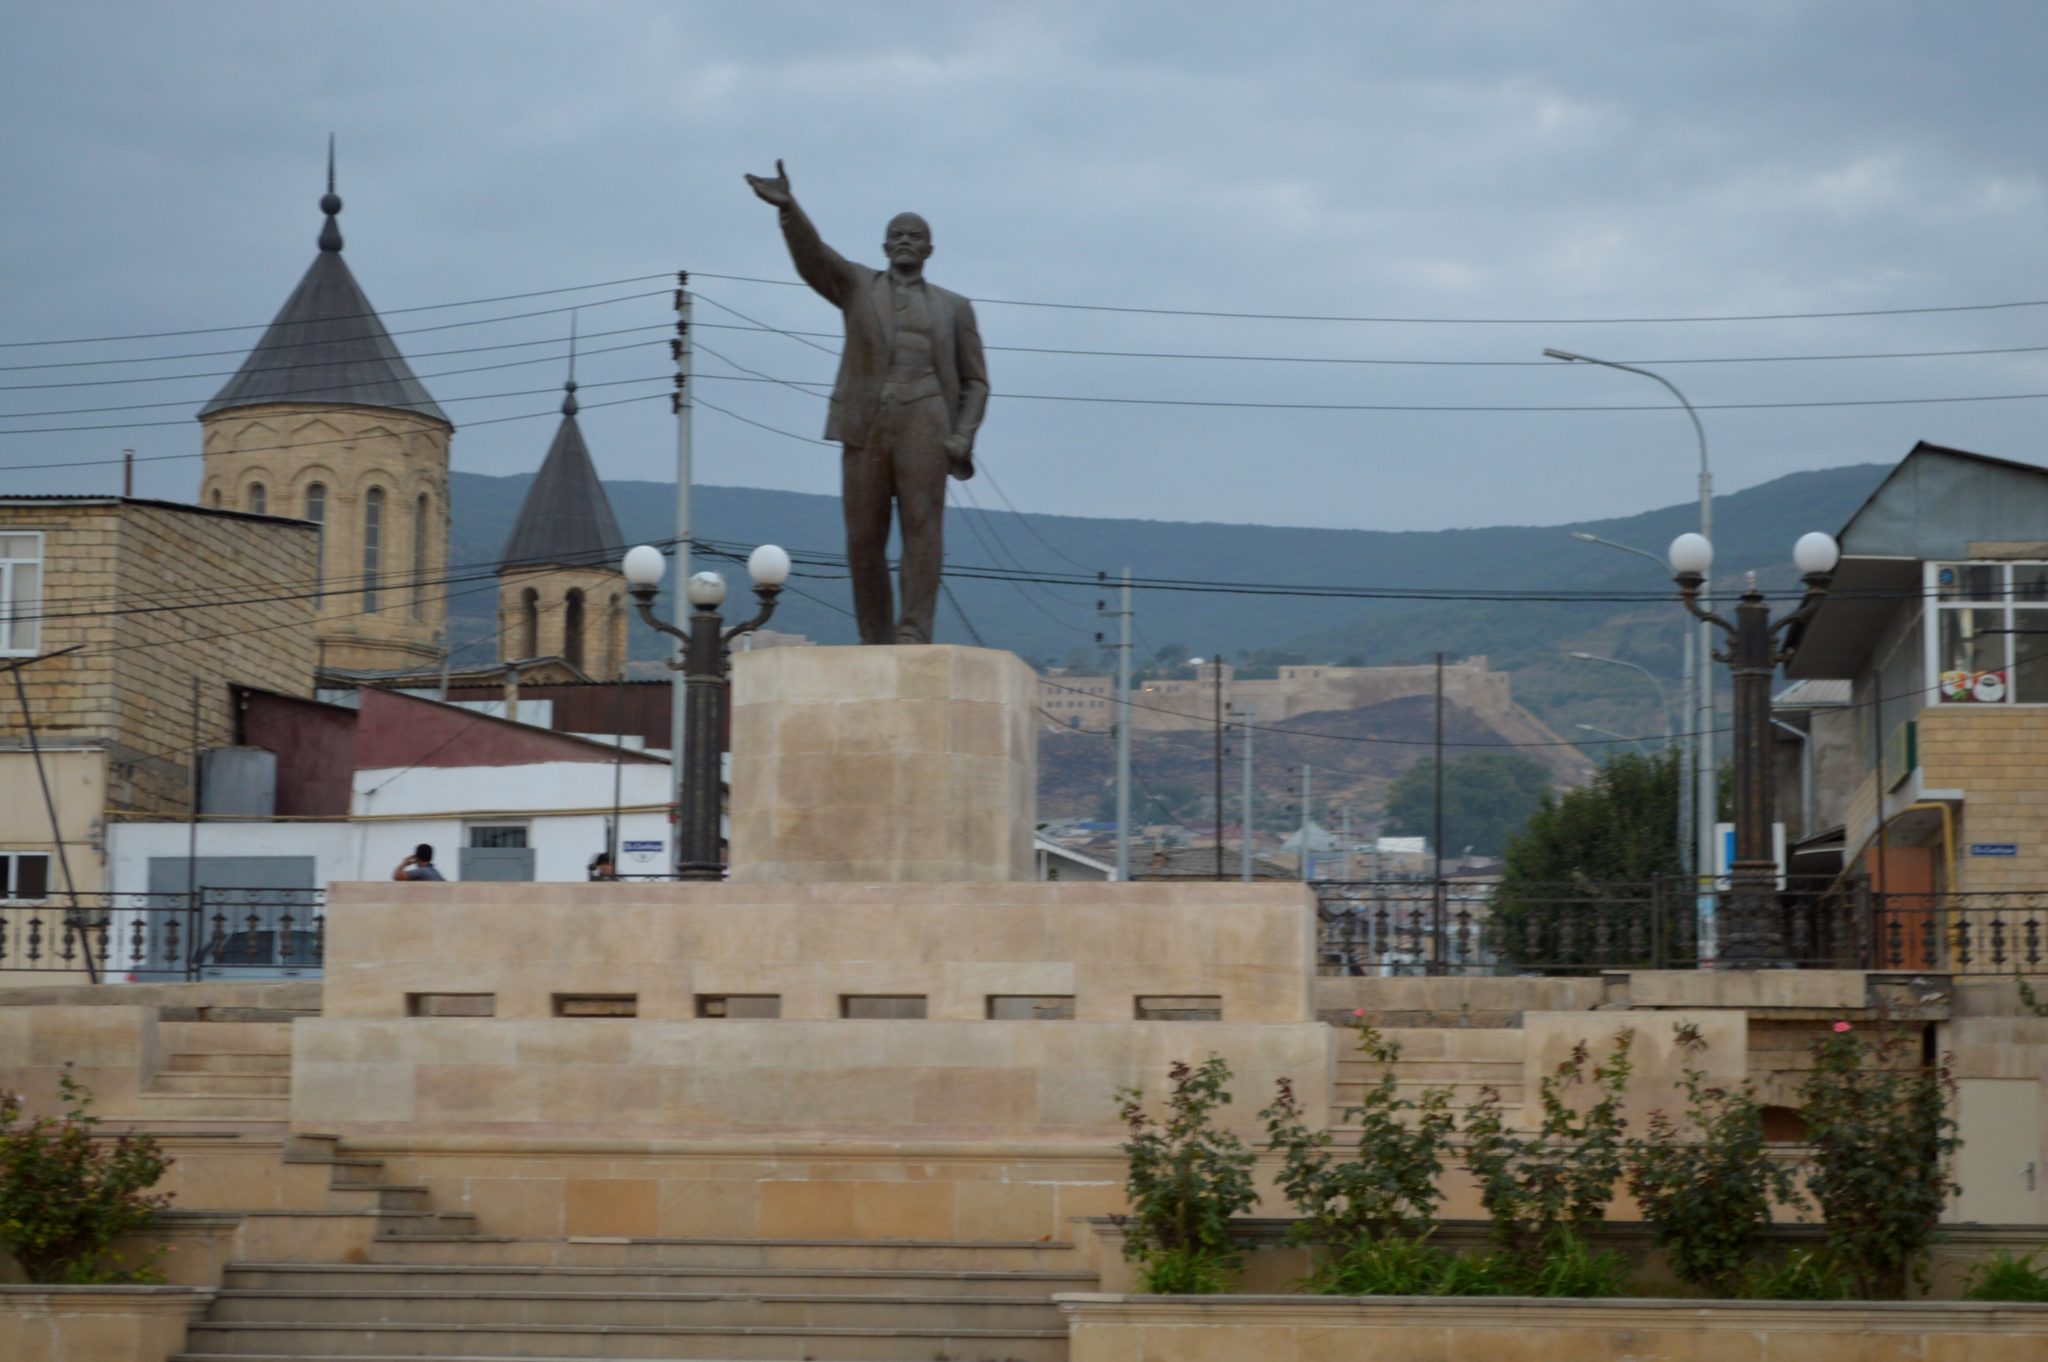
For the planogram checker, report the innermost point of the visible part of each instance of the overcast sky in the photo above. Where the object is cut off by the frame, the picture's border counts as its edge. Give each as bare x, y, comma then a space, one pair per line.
161, 166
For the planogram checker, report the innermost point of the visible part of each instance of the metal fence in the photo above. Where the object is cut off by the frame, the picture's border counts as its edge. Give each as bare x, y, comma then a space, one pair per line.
1422, 927
215, 933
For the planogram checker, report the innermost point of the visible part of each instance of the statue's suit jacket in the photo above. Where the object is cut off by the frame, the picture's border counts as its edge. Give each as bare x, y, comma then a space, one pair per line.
863, 294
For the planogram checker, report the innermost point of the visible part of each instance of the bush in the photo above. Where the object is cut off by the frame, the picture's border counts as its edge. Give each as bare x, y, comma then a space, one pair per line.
1883, 1141
1706, 1185
66, 1195
1185, 1181
1539, 1189
2007, 1277
1390, 1187
1801, 1275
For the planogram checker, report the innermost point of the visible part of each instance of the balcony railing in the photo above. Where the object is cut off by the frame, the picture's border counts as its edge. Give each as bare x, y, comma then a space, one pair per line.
214, 933
1419, 927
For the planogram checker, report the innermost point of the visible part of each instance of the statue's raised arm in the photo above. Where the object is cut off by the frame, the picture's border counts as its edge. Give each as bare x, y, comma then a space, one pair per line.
775, 191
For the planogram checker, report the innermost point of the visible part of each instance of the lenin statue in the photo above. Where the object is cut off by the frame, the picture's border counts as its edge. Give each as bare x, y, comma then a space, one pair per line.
909, 396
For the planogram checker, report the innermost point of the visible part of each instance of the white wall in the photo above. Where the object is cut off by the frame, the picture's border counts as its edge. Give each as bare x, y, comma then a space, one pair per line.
563, 844
440, 790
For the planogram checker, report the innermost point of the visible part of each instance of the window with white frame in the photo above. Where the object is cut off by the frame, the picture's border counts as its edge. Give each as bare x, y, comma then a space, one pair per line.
21, 591
24, 876
1989, 643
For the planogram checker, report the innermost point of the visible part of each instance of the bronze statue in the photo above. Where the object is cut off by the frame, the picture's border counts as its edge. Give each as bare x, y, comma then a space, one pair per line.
906, 404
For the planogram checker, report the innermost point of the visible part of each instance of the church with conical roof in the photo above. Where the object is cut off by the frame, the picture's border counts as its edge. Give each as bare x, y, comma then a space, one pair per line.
325, 421
561, 593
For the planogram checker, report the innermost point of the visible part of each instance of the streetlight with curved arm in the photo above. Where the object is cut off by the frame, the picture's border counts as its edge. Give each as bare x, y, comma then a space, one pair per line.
1704, 762
1663, 699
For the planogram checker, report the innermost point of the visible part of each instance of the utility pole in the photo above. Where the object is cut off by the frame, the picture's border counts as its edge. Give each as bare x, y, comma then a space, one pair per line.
1686, 757
681, 404
1216, 675
1304, 821
1436, 932
1244, 804
1123, 723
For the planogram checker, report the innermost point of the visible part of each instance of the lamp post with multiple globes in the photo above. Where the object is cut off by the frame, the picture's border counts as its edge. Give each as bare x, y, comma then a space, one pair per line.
1749, 930
705, 665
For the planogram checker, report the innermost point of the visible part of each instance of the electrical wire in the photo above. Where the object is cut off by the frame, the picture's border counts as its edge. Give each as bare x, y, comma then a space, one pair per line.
388, 312
1449, 321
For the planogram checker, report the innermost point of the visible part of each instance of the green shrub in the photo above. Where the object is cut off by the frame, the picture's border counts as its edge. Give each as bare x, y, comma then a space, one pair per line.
1389, 1187
1572, 1267
1800, 1275
1381, 1267
1536, 1188
65, 1195
1883, 1141
1706, 1185
2008, 1277
1185, 1179
1186, 1272
1483, 1274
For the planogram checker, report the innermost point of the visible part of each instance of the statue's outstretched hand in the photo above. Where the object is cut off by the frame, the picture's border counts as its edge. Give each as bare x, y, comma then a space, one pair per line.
775, 191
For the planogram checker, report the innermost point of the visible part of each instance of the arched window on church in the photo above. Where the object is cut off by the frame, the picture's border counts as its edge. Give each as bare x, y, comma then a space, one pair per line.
216, 498
614, 640
259, 499
572, 629
419, 556
529, 605
316, 511
373, 546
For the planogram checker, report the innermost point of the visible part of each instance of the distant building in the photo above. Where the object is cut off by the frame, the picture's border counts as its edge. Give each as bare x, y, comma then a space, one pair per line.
1937, 618
166, 607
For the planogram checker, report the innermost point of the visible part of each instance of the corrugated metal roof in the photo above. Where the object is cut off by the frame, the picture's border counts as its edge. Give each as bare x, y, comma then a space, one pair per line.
328, 345
566, 519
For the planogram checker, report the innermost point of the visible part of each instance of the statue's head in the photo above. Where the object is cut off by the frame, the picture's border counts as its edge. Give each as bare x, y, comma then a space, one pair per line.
908, 240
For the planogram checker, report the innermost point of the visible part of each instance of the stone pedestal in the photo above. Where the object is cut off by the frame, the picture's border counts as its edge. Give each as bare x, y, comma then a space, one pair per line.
880, 764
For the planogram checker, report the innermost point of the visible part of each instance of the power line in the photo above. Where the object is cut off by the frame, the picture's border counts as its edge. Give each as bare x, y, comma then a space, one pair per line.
1447, 407
473, 397
764, 328
325, 392
321, 363
1449, 321
351, 316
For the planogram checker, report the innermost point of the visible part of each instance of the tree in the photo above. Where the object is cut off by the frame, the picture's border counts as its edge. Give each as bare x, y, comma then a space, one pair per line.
1487, 796
1572, 891
1623, 826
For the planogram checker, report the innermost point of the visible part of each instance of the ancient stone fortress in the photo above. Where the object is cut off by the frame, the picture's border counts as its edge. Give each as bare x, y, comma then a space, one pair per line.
859, 1100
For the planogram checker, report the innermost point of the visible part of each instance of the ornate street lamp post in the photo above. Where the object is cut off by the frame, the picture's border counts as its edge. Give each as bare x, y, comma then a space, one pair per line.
705, 665
1750, 935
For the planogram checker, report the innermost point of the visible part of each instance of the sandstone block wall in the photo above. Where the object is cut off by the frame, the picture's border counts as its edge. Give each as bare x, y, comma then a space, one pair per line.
116, 569
883, 764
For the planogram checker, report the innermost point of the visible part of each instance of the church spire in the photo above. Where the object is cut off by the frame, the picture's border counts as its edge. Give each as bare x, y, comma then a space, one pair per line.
569, 388
330, 204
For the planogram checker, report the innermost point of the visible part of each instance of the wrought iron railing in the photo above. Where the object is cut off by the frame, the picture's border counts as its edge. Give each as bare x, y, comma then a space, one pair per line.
1421, 927
214, 932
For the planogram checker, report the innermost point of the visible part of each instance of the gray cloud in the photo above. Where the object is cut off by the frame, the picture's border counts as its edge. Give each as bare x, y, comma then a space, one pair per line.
1510, 160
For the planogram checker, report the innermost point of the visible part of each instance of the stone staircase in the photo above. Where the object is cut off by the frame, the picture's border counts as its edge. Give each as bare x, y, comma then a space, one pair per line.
425, 1285
222, 1075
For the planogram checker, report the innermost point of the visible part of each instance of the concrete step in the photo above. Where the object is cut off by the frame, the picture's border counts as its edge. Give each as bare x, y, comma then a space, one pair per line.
507, 1309
226, 1063
379, 1196
211, 1342
190, 1106
225, 1037
828, 1281
407, 1248
207, 1083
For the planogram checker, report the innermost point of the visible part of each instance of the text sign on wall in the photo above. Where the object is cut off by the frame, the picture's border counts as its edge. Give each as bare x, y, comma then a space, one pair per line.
1994, 848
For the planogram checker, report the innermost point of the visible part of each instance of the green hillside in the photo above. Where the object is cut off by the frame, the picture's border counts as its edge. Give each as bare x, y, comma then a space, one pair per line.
1755, 529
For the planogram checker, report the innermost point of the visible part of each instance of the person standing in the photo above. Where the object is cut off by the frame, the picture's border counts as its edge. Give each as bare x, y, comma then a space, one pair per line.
419, 865
907, 402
